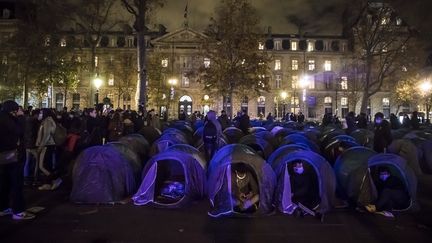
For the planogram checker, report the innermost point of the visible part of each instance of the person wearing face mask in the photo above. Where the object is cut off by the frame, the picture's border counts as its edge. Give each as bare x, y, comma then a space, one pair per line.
304, 188
382, 133
392, 193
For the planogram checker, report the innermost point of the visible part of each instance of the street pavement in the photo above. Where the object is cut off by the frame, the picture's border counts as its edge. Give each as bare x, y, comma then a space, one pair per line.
62, 221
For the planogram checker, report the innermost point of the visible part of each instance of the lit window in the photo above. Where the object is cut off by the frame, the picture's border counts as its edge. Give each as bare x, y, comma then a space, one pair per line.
4, 60
164, 62
398, 21
78, 59
294, 45
327, 100
294, 81
294, 64
96, 61
47, 41
260, 46
327, 65
404, 69
344, 101
386, 102
278, 45
277, 64
311, 65
278, 81
294, 100
344, 83
206, 62
185, 81
111, 80
311, 46
130, 42
63, 42
385, 20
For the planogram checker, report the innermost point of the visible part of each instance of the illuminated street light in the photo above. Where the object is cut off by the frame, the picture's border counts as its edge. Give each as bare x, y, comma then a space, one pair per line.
206, 98
172, 82
97, 82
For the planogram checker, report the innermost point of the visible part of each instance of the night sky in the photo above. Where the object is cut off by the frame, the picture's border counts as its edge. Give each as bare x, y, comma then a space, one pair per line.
325, 16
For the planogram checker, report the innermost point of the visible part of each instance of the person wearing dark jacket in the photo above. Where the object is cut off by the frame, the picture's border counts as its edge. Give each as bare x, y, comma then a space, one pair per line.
244, 123
224, 120
11, 170
382, 134
394, 121
392, 193
304, 187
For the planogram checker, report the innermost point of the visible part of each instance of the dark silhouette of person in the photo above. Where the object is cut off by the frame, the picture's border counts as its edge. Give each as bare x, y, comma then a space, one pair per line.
382, 133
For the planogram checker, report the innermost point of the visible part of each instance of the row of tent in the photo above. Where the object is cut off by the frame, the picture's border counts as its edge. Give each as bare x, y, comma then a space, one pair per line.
110, 173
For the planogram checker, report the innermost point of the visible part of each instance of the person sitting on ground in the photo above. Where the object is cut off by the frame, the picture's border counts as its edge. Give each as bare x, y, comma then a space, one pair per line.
245, 190
304, 188
392, 193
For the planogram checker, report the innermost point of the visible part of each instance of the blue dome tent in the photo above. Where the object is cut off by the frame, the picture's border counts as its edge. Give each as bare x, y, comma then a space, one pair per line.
320, 167
172, 179
102, 175
219, 182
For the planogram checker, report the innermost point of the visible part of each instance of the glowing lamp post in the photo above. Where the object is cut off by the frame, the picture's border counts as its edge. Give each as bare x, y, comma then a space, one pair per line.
97, 82
172, 82
304, 83
426, 88
283, 96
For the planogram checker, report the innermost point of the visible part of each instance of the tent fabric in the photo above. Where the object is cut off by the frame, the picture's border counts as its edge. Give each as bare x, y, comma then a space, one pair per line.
268, 136
260, 145
284, 150
257, 129
325, 175
185, 128
426, 148
194, 175
406, 149
137, 143
167, 140
150, 133
130, 155
353, 179
401, 169
219, 179
300, 139
363, 137
102, 175
194, 152
233, 134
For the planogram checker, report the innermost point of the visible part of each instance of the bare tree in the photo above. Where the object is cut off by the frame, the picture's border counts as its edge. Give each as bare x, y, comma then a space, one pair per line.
94, 18
141, 9
380, 41
236, 63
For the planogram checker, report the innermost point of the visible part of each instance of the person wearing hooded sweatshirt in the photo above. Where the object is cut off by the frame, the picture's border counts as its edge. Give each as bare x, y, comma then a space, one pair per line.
11, 170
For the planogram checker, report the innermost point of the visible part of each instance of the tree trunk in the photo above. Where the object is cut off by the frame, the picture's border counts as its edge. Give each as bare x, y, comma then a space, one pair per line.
25, 93
364, 101
141, 49
65, 96
92, 75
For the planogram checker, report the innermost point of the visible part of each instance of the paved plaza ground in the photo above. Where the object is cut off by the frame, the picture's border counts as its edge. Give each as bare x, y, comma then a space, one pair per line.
63, 221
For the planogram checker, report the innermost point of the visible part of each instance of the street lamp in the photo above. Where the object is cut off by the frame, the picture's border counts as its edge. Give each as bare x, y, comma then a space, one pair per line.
283, 95
426, 88
97, 82
172, 82
206, 107
304, 83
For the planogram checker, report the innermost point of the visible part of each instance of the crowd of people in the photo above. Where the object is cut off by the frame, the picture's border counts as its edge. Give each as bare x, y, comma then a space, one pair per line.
40, 144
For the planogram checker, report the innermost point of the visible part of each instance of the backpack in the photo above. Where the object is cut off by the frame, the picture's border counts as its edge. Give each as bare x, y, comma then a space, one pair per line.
60, 135
209, 132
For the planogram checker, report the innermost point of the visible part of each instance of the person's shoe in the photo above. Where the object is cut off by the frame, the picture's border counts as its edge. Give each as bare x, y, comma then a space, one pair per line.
45, 187
23, 216
370, 208
6, 212
56, 183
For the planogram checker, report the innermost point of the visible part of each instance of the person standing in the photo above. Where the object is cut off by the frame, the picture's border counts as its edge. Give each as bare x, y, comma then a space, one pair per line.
211, 133
244, 122
382, 134
11, 169
223, 120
